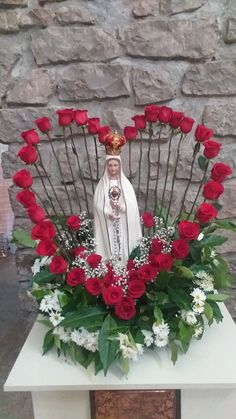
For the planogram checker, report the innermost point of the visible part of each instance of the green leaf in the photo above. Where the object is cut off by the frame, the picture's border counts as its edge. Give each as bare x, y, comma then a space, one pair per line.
135, 253
48, 341
63, 299
107, 349
21, 237
208, 312
225, 224
195, 252
43, 277
185, 272
158, 314
185, 332
211, 240
174, 348
217, 297
98, 363
181, 298
124, 364
216, 311
217, 205
88, 318
202, 162
45, 322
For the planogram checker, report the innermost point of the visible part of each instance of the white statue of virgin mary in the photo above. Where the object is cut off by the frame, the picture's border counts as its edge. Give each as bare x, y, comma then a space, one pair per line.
117, 229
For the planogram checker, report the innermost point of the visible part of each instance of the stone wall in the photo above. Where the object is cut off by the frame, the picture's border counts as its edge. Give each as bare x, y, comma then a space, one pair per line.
112, 58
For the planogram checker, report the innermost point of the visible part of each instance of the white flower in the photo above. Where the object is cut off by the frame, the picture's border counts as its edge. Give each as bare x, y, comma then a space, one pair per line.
91, 343
200, 237
216, 262
148, 337
198, 295
140, 348
47, 304
206, 281
161, 341
79, 336
36, 267
198, 307
63, 334
46, 260
55, 318
161, 328
123, 339
189, 317
129, 352
198, 332
85, 339
213, 254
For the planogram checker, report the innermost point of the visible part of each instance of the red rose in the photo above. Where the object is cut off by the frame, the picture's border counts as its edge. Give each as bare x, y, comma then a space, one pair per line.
156, 246
93, 125
205, 213
148, 219
188, 230
102, 133
73, 222
65, 117
176, 119
36, 213
94, 260
212, 190
165, 114
130, 133
43, 124
78, 251
180, 249
93, 286
43, 230
220, 171
186, 124
126, 309
81, 116
23, 179
212, 148
203, 133
151, 113
28, 154
26, 198
46, 247
147, 272
58, 265
130, 264
113, 295
108, 278
136, 288
133, 275
75, 277
139, 121
163, 261
31, 137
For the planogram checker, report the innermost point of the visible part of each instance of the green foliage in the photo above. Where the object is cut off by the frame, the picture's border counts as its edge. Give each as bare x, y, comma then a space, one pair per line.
181, 298
48, 342
90, 318
211, 240
107, 348
21, 237
43, 277
202, 162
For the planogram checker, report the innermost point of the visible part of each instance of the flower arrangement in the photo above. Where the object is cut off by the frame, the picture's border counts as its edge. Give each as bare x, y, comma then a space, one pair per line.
167, 292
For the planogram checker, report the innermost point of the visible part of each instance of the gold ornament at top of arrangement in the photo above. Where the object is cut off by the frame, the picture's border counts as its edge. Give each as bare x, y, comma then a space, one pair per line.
113, 143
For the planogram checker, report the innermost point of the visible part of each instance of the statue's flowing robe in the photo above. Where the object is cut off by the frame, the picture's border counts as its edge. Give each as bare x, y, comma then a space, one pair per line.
130, 228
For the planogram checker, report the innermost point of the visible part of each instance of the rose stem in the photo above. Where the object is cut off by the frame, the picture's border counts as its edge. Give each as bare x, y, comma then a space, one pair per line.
96, 152
167, 171
86, 148
80, 171
140, 161
158, 168
174, 176
150, 131
199, 189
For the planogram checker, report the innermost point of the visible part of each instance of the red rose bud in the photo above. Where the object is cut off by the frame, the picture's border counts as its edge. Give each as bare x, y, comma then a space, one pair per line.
163, 261
151, 113
30, 137
156, 246
93, 286
176, 119
165, 114
26, 198
206, 213
93, 125
113, 295
28, 154
81, 116
43, 124
102, 133
36, 213
212, 190
46, 247
186, 124
148, 219
73, 222
65, 117
212, 148
130, 133
203, 133
188, 230
139, 121
75, 277
94, 260
78, 251
180, 249
23, 179
43, 230
58, 265
126, 309
136, 288
147, 272
220, 171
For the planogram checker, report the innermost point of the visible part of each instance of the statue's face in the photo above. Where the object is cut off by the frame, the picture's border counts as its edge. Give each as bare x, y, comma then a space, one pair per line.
113, 167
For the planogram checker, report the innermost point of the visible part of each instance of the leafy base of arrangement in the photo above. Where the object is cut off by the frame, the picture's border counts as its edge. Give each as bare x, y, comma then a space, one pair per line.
168, 291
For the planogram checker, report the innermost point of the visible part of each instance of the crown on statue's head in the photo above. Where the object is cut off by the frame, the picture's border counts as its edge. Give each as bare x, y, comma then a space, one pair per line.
113, 143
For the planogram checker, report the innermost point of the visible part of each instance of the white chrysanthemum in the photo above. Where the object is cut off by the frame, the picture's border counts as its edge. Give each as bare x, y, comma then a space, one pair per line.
161, 341
46, 260
47, 304
198, 307
91, 342
148, 337
161, 328
205, 281
198, 295
85, 339
36, 267
63, 334
200, 236
140, 348
123, 339
129, 352
198, 332
188, 317
79, 336
213, 254
55, 318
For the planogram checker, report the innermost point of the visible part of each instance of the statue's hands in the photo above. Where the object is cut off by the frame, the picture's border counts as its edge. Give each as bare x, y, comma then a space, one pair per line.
115, 205
112, 217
